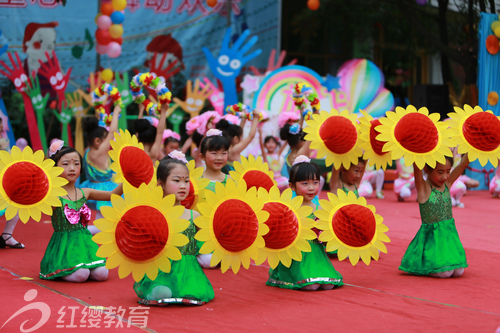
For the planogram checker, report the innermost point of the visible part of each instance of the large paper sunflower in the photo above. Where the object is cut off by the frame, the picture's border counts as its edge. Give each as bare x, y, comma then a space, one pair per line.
476, 132
352, 227
29, 184
232, 225
289, 228
416, 136
372, 146
130, 162
335, 135
254, 172
141, 233
197, 186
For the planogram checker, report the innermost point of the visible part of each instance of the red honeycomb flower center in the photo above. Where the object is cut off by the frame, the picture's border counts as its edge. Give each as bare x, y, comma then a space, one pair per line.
142, 233
338, 134
482, 131
258, 179
376, 144
25, 183
235, 225
417, 133
354, 225
191, 197
136, 166
283, 226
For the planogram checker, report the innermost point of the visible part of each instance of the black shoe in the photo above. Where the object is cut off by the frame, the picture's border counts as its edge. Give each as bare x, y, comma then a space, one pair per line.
3, 243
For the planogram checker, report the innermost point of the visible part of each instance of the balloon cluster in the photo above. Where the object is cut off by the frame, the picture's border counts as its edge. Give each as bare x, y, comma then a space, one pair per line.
301, 92
492, 44
100, 96
109, 28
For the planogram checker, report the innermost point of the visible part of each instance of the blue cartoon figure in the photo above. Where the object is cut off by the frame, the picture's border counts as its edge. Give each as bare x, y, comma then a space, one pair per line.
227, 66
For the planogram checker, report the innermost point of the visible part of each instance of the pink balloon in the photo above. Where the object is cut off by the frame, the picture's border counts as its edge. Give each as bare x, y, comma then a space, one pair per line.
104, 22
114, 50
101, 49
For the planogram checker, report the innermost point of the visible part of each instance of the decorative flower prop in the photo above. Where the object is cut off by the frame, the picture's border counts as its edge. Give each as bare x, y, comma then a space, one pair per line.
232, 225
29, 184
476, 132
371, 145
254, 172
335, 135
289, 228
302, 92
416, 136
130, 162
194, 124
100, 96
197, 185
141, 233
287, 117
351, 226
146, 79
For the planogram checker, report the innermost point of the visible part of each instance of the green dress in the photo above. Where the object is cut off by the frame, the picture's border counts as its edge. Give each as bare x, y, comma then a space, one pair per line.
71, 246
436, 247
315, 267
186, 280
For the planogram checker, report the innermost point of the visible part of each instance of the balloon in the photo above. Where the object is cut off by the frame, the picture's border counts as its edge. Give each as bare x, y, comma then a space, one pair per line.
107, 75
494, 24
313, 4
96, 17
104, 22
211, 3
106, 9
102, 37
118, 40
114, 50
119, 4
492, 45
101, 49
117, 17
497, 31
116, 30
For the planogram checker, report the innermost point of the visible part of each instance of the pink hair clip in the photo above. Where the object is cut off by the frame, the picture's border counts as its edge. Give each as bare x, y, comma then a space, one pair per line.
214, 132
301, 159
168, 133
178, 155
55, 146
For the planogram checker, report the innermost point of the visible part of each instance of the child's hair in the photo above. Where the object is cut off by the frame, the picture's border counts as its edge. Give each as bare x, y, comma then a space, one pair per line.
170, 139
197, 137
146, 132
167, 164
214, 143
448, 159
304, 171
292, 139
229, 130
91, 127
360, 160
65, 150
269, 138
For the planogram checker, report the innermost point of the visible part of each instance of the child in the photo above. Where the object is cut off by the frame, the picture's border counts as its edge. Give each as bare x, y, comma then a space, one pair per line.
372, 178
315, 270
294, 136
436, 250
71, 252
272, 155
495, 184
348, 179
186, 283
149, 135
405, 183
171, 141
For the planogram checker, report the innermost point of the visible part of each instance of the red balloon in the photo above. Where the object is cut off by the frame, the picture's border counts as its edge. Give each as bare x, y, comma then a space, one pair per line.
102, 37
211, 3
107, 9
119, 40
313, 4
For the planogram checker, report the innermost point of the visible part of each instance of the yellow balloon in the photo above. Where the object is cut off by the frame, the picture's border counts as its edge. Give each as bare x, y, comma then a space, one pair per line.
495, 24
497, 31
96, 17
116, 30
119, 4
107, 75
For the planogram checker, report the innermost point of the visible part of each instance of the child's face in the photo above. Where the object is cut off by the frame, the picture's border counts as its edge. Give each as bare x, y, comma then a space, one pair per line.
176, 183
440, 174
215, 159
271, 146
70, 162
306, 188
354, 174
171, 146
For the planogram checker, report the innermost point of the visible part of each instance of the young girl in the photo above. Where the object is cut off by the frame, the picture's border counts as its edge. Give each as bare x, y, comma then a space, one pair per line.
171, 142
405, 183
315, 270
71, 252
348, 179
271, 153
186, 283
294, 136
436, 250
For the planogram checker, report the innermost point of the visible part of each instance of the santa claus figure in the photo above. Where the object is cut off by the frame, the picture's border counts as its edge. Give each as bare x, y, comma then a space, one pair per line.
38, 39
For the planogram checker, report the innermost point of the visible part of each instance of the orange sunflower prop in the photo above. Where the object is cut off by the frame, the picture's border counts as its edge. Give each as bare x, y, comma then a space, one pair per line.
254, 172
335, 135
141, 232
130, 162
232, 225
29, 184
289, 228
372, 146
416, 136
197, 185
477, 132
352, 227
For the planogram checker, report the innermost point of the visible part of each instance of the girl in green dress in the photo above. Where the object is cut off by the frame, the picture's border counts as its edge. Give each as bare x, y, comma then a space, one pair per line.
186, 283
436, 250
71, 252
315, 270
347, 179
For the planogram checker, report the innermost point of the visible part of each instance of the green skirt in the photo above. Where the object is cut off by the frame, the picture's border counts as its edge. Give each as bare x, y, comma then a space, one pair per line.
315, 267
436, 248
69, 251
187, 282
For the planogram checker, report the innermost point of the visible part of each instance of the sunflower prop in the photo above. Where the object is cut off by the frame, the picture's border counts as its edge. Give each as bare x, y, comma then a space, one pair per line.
416, 136
372, 146
335, 135
29, 184
351, 226
141, 233
232, 225
477, 132
289, 228
130, 162
254, 172
197, 186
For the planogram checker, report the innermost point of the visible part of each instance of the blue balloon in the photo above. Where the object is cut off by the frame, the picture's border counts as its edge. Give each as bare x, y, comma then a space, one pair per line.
117, 17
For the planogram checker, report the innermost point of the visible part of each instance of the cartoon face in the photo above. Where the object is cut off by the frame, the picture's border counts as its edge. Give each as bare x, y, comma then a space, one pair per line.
169, 58
37, 102
228, 64
176, 117
20, 82
57, 81
194, 105
43, 40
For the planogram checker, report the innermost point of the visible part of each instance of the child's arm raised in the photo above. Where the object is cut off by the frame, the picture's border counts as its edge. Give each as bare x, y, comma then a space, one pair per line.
423, 188
459, 169
262, 148
240, 146
98, 195
334, 180
155, 148
113, 127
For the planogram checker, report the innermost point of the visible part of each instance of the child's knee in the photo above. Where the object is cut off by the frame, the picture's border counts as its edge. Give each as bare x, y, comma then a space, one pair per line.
443, 275
99, 274
80, 275
458, 272
311, 287
327, 286
204, 260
